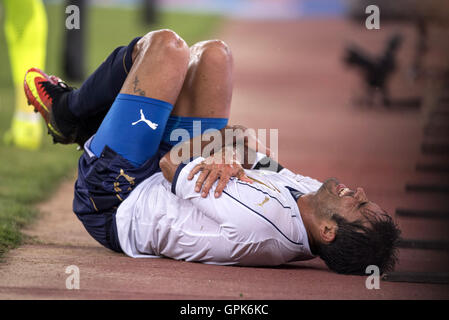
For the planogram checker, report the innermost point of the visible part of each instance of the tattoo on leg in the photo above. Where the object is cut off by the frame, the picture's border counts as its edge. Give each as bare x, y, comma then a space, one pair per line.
136, 89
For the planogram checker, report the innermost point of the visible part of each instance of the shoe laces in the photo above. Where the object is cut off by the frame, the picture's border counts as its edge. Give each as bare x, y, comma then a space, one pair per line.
53, 91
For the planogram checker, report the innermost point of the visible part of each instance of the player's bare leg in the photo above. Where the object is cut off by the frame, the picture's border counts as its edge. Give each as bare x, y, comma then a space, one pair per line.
207, 89
159, 68
135, 123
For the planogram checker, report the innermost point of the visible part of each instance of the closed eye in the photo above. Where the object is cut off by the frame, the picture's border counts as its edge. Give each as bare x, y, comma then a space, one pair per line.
361, 205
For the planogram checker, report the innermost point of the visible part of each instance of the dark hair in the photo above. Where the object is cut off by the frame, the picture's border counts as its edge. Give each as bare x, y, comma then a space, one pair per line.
357, 246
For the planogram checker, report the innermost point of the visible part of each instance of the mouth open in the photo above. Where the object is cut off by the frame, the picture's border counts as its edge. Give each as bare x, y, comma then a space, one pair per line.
343, 190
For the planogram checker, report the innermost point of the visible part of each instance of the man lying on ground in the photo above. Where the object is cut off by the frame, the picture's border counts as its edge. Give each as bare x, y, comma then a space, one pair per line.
136, 194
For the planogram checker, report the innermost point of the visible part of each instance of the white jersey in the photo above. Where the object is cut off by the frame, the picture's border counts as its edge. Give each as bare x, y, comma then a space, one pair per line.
256, 224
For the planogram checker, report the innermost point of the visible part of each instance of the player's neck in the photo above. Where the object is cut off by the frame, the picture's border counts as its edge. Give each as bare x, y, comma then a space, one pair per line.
306, 211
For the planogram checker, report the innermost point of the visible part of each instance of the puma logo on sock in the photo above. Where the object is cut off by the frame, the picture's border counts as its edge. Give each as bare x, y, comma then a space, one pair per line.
152, 125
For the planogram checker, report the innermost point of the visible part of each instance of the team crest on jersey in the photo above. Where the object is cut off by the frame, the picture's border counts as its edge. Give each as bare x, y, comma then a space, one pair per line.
263, 202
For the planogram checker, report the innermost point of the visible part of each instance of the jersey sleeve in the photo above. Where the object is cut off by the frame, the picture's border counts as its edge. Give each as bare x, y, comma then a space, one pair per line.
181, 186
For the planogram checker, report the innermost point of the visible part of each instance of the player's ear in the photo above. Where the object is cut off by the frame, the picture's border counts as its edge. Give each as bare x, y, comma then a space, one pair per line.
328, 230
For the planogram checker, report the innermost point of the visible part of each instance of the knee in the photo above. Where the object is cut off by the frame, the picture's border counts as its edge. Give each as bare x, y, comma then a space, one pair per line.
164, 42
215, 52
166, 38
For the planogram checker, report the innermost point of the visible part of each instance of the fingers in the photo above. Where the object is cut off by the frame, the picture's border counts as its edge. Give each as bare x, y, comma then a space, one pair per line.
224, 179
243, 177
210, 173
201, 179
195, 170
211, 178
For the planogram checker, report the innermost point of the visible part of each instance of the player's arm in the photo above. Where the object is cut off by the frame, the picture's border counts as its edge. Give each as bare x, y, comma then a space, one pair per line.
221, 165
252, 153
182, 153
177, 155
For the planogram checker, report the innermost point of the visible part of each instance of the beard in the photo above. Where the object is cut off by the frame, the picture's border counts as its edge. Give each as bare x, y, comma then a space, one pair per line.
325, 203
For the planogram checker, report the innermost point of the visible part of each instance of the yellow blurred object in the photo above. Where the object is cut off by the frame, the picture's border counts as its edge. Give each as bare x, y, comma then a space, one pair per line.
26, 35
26, 128
26, 131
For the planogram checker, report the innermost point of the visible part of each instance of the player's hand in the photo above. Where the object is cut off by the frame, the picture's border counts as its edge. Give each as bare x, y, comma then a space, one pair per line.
220, 167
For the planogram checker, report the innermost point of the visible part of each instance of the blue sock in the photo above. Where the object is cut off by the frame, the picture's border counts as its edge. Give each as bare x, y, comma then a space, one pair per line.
192, 126
133, 128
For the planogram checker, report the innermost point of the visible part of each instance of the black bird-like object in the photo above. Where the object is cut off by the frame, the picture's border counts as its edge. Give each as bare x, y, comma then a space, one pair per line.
376, 70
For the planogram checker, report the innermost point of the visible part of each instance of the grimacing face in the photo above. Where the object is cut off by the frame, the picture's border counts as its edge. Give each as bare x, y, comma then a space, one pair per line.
334, 197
